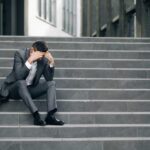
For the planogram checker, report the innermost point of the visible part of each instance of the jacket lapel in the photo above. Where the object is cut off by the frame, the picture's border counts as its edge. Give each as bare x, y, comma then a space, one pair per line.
40, 67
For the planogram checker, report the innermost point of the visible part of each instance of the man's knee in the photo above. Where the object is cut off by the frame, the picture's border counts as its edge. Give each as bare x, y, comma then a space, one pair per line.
51, 83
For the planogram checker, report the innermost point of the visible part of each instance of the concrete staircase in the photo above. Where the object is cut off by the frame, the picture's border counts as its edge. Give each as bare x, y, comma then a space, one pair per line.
103, 94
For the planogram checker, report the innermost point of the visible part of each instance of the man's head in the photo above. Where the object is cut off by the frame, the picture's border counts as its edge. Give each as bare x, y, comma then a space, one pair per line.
40, 46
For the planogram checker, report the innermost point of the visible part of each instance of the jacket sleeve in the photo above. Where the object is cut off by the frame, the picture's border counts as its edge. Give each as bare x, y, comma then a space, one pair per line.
48, 72
20, 69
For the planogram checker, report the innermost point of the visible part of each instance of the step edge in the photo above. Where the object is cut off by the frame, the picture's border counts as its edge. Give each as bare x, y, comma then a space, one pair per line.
79, 113
38, 139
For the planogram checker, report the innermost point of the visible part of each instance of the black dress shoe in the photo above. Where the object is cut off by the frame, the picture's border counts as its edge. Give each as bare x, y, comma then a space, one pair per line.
3, 99
37, 119
51, 120
39, 122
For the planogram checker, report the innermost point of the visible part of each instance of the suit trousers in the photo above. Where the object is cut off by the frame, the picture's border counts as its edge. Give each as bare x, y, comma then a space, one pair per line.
20, 90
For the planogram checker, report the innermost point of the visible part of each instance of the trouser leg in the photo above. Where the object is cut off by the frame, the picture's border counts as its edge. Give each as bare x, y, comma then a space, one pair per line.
51, 97
48, 88
20, 90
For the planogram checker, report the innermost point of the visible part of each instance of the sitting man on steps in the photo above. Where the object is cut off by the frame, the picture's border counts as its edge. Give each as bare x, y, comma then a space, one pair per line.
24, 81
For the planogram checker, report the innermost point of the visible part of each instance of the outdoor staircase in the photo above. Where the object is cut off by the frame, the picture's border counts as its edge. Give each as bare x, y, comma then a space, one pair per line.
103, 95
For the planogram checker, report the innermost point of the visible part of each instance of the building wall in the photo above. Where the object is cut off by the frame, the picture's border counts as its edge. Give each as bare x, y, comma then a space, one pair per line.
116, 18
143, 18
35, 26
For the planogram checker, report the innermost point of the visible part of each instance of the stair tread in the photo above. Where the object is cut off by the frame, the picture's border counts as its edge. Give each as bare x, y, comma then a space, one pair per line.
76, 139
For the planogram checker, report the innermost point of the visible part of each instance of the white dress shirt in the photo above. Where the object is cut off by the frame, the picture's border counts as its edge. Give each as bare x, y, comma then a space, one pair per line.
33, 69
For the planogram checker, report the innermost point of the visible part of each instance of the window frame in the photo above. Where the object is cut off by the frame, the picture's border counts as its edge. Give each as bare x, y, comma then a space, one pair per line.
47, 11
70, 17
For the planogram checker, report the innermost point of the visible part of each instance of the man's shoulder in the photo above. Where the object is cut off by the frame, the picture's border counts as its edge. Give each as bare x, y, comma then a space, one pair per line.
22, 52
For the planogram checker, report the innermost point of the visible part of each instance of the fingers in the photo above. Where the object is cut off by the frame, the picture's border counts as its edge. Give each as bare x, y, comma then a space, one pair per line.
49, 57
37, 55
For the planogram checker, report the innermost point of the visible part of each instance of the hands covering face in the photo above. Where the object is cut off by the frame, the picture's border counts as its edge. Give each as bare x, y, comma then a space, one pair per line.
49, 56
35, 55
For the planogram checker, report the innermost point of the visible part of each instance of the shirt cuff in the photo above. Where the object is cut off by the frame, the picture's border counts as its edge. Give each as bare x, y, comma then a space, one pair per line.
28, 65
51, 65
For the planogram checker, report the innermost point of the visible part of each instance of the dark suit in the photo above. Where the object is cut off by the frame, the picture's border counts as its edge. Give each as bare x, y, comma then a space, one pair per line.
15, 86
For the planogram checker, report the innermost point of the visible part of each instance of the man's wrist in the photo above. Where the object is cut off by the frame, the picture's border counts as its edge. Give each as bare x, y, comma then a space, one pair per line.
30, 60
28, 64
50, 61
51, 65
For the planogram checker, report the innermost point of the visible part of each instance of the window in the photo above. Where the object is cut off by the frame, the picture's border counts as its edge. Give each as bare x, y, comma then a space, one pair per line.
47, 10
39, 8
69, 16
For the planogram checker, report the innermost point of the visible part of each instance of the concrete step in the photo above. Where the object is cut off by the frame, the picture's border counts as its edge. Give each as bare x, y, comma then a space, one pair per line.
101, 54
111, 94
82, 106
101, 94
91, 54
94, 73
112, 143
79, 45
72, 39
100, 83
90, 63
102, 63
24, 118
76, 131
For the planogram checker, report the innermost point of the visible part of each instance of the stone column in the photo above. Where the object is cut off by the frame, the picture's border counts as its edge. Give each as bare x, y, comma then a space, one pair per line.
146, 18
122, 19
109, 18
138, 18
89, 18
98, 17
143, 18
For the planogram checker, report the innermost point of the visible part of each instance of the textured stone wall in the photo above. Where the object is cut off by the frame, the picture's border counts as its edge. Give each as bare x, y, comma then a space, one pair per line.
116, 18
143, 18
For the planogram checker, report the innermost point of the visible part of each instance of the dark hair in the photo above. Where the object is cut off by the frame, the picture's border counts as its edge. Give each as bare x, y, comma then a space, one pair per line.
40, 46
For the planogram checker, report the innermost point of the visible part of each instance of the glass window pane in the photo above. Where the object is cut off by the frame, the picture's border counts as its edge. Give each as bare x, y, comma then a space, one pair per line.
64, 14
44, 9
54, 11
69, 16
39, 8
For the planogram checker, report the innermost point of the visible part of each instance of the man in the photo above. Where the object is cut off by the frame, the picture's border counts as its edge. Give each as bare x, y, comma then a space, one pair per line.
24, 81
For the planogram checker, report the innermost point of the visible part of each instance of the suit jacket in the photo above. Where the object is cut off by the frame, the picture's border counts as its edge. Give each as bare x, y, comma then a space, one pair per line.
20, 71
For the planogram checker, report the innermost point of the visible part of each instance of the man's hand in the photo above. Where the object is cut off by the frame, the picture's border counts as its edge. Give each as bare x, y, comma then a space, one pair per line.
35, 56
49, 57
